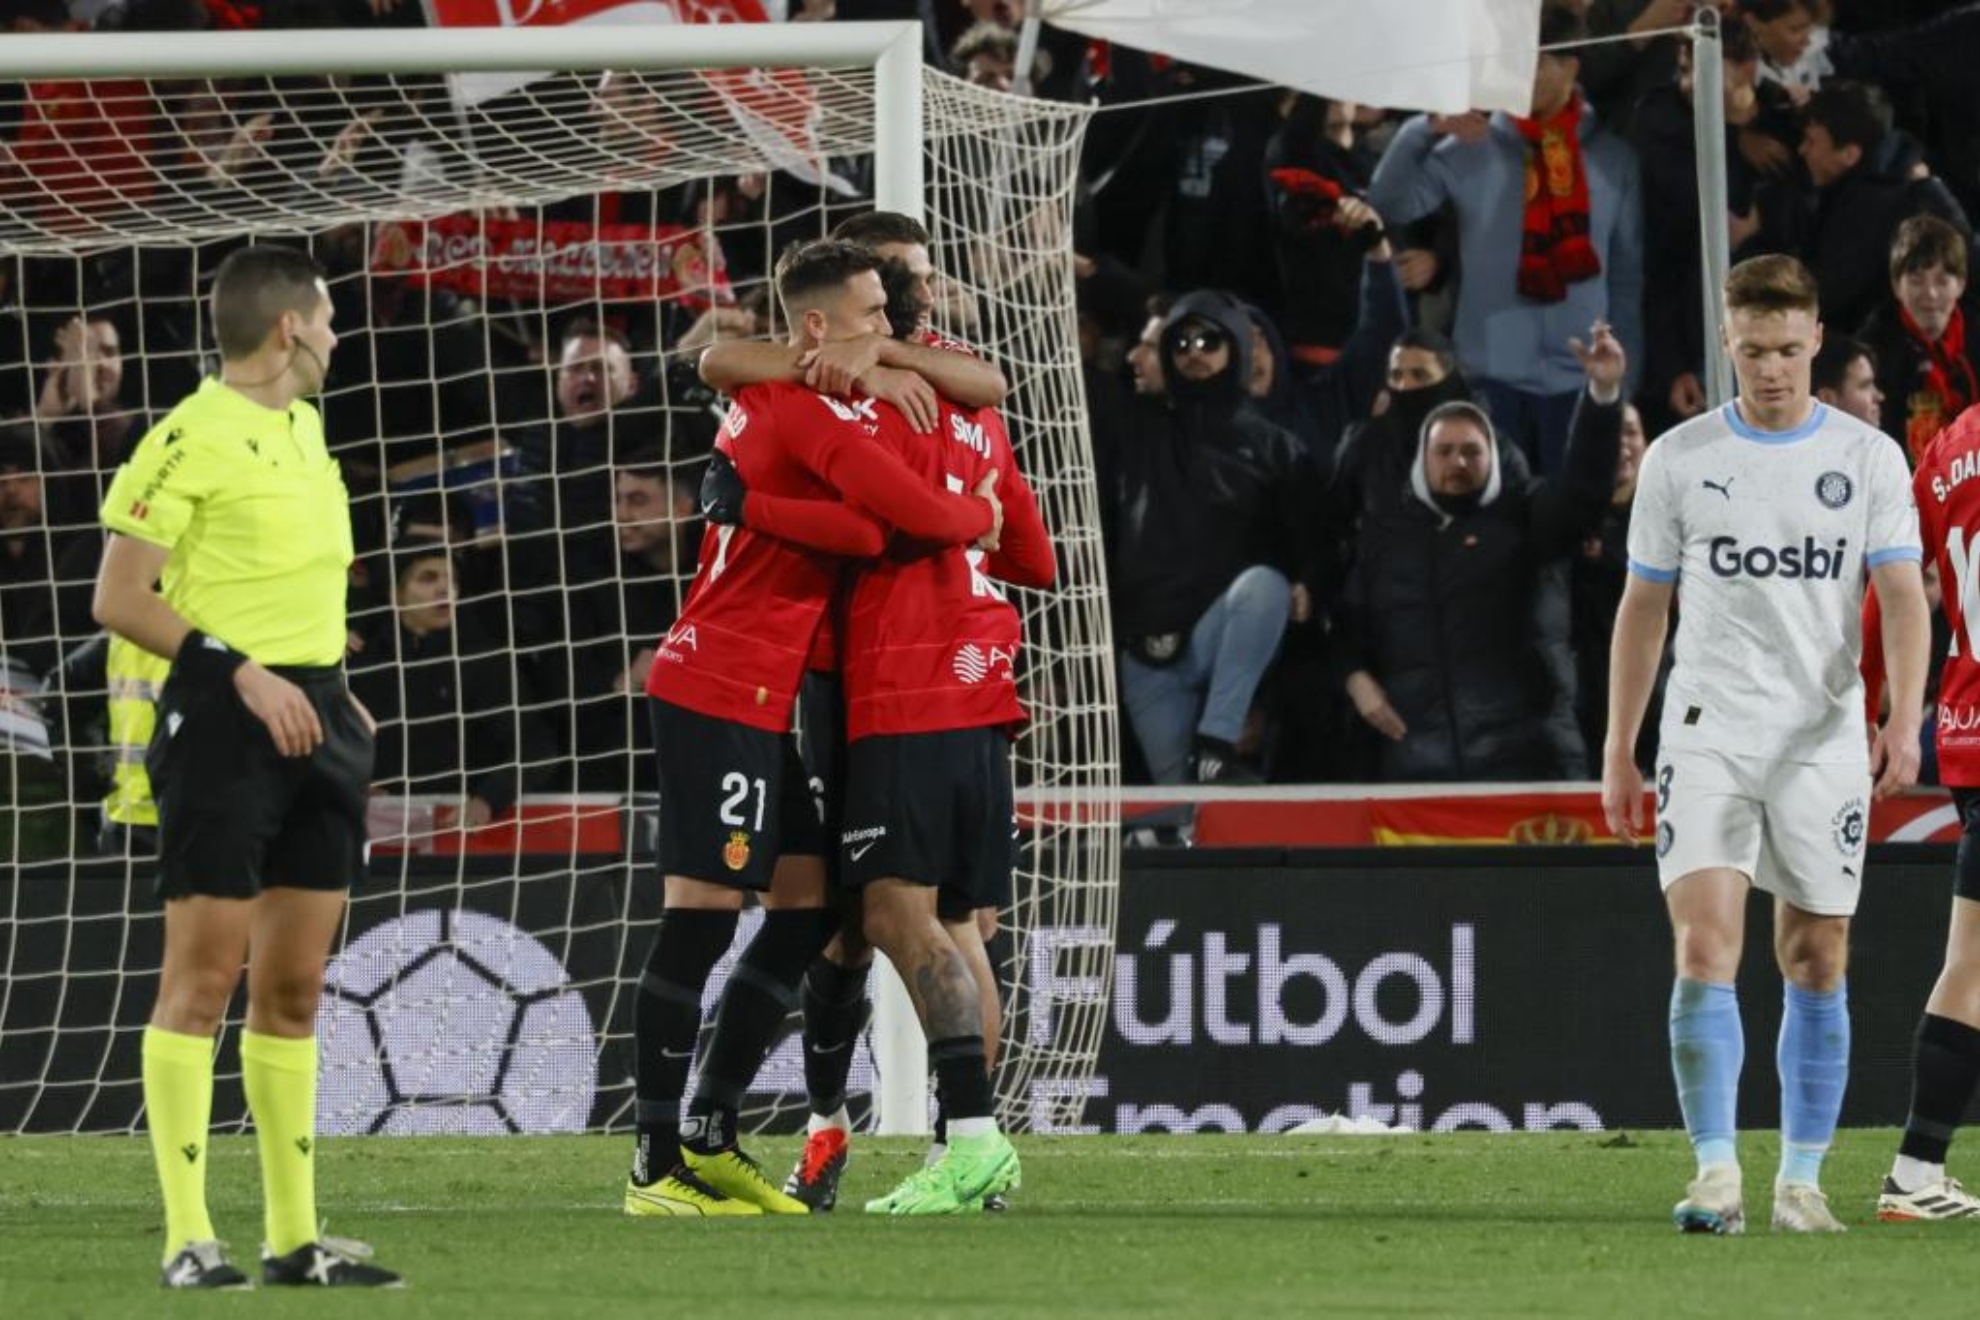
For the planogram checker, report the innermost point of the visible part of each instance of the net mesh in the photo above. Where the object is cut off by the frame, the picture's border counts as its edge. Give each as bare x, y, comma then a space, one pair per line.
523, 277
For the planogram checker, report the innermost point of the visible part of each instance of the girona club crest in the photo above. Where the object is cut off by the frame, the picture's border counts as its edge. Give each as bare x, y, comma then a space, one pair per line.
735, 853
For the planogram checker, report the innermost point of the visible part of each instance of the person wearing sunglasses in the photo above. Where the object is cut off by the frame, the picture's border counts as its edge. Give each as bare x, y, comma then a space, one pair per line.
1213, 512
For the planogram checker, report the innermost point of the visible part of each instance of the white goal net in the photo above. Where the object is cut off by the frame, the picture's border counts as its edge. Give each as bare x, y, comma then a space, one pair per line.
524, 268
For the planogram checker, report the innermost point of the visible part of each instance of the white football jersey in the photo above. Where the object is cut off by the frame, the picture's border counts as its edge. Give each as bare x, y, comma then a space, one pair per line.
1770, 537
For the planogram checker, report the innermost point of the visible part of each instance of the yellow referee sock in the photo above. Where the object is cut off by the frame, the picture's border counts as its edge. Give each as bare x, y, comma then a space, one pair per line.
178, 1104
279, 1074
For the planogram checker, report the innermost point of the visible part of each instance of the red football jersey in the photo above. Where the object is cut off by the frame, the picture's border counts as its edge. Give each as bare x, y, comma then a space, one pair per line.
930, 641
738, 650
1948, 497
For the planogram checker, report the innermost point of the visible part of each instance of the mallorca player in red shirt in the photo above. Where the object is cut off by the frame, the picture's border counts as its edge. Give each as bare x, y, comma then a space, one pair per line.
914, 369
930, 651
735, 807
930, 645
1945, 1061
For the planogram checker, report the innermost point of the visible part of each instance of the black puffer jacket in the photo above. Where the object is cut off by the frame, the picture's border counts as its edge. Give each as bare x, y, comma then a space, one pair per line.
1371, 469
1464, 618
1199, 488
1844, 231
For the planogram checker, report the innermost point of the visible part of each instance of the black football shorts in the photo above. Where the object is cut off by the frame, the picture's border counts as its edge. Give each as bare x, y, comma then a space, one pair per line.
733, 799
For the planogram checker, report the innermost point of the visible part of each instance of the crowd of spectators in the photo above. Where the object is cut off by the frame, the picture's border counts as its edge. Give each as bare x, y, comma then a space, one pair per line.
1368, 389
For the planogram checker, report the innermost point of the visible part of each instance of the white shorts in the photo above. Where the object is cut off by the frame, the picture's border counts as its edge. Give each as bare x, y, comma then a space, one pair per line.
1795, 830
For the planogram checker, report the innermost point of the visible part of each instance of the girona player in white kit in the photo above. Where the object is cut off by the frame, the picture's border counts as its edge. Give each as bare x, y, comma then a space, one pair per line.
1768, 514
1945, 1060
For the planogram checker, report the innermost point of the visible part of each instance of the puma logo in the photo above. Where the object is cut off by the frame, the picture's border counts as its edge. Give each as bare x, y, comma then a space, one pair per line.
1723, 487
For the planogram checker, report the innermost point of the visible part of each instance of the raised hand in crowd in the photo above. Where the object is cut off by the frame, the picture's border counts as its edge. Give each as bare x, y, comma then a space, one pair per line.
1602, 360
343, 151
248, 146
1687, 398
1354, 215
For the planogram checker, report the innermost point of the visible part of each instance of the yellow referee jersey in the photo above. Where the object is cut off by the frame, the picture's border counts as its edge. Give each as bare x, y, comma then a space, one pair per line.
255, 514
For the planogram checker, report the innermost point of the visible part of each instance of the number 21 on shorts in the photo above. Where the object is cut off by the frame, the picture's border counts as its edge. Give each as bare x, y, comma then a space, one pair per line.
737, 789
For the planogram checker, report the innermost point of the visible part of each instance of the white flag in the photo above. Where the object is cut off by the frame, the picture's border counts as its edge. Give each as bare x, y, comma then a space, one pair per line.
1445, 56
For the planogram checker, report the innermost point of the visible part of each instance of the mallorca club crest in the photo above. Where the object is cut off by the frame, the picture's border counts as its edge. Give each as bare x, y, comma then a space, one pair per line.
735, 853
1834, 489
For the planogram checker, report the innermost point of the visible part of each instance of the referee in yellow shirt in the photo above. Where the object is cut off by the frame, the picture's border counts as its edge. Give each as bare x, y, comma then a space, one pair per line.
261, 758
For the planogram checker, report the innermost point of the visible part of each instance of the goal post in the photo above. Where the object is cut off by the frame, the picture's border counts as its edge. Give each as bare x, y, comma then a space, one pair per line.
486, 978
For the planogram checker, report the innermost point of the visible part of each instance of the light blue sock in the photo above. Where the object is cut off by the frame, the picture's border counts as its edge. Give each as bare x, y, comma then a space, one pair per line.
1708, 1046
1814, 1064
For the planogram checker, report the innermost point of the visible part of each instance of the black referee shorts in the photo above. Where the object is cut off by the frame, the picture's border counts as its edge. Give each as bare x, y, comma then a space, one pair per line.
933, 809
733, 799
235, 816
1966, 866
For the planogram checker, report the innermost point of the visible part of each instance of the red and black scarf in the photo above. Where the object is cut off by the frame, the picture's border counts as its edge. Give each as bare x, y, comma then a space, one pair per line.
1554, 250
1946, 387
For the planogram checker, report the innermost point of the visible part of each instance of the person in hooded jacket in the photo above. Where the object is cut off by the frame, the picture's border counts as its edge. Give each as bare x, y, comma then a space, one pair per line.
1209, 511
1452, 628
1371, 467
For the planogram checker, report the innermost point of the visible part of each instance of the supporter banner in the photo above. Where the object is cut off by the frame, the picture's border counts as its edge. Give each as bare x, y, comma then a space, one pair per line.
473, 88
775, 108
1441, 55
1451, 992
555, 261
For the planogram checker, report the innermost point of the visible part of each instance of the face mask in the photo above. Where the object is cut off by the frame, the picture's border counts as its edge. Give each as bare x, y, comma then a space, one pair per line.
1410, 407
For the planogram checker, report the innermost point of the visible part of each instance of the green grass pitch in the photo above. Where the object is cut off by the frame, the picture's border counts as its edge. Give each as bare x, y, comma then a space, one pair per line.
1227, 1227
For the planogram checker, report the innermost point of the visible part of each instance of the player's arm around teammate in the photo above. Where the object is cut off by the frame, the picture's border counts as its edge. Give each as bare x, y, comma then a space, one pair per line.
908, 369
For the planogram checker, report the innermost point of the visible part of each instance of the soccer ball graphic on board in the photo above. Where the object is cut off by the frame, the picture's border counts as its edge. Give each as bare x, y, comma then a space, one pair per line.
452, 1022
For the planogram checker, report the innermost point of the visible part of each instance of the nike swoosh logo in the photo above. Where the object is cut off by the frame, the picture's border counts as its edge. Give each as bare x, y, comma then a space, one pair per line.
860, 851
677, 1054
828, 1049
